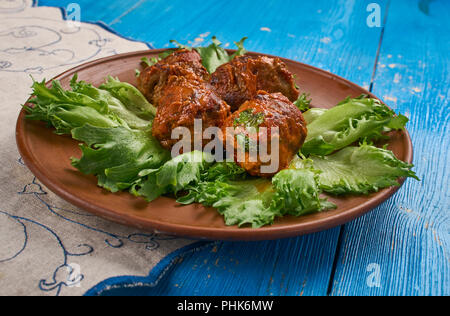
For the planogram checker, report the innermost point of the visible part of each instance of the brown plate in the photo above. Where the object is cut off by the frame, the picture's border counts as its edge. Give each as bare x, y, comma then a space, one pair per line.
47, 155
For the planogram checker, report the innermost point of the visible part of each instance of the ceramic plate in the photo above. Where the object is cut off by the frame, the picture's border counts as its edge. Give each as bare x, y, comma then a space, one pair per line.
48, 156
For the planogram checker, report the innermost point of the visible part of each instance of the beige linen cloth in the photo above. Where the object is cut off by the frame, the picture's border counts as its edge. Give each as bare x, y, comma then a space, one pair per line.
47, 246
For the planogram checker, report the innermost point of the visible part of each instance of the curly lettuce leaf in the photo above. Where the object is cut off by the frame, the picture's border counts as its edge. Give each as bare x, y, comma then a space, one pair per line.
240, 202
214, 55
117, 155
350, 121
357, 170
130, 96
121, 99
172, 177
65, 110
65, 117
219, 172
56, 94
297, 193
224, 171
85, 104
313, 114
256, 202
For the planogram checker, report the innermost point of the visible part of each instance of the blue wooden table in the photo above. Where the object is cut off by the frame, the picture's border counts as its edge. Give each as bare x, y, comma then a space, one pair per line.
401, 54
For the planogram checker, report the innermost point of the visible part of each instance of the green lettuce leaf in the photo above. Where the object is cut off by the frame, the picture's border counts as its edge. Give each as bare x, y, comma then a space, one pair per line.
240, 199
256, 202
67, 109
65, 117
131, 97
357, 170
121, 99
224, 171
297, 193
85, 104
243, 202
350, 121
172, 177
117, 155
313, 114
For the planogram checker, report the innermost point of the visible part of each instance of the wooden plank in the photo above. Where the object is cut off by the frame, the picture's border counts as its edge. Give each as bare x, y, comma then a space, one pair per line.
296, 266
331, 36
408, 238
95, 11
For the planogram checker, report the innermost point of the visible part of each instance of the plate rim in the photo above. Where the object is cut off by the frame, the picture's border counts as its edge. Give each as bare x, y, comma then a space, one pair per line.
201, 232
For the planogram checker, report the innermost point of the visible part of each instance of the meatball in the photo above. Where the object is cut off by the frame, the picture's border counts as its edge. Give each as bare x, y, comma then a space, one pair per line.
253, 146
241, 79
178, 86
182, 101
183, 62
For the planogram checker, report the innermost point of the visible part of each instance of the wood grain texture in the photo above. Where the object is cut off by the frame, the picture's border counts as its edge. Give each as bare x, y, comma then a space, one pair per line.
331, 36
296, 266
95, 11
408, 237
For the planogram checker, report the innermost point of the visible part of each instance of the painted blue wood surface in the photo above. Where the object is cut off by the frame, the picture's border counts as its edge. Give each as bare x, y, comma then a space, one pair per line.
94, 11
408, 236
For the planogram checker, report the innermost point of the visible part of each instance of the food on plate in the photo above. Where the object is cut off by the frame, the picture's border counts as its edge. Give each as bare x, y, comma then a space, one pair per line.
214, 55
112, 104
353, 119
181, 103
126, 133
357, 169
185, 63
241, 79
178, 86
269, 121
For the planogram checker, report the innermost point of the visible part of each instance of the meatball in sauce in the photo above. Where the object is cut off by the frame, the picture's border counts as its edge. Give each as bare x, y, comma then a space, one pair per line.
269, 125
241, 79
181, 63
178, 86
266, 129
183, 102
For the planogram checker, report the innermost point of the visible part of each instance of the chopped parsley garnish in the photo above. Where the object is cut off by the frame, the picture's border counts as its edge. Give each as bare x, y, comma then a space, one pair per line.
303, 102
248, 118
149, 62
153, 60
